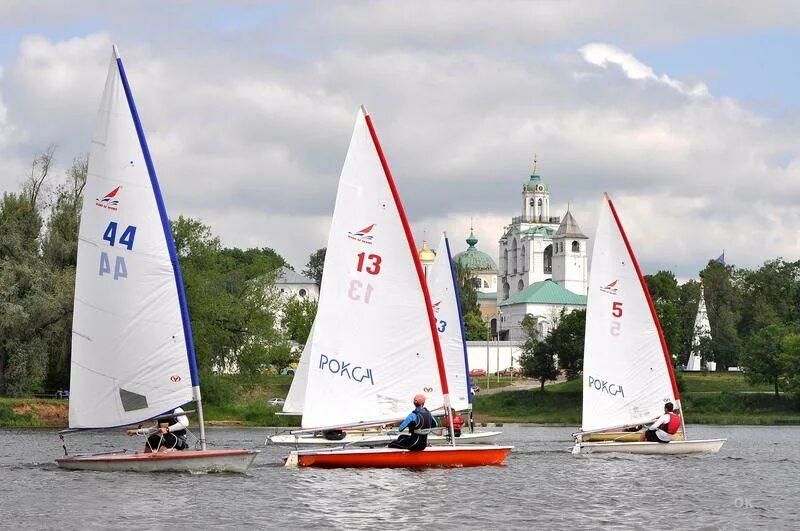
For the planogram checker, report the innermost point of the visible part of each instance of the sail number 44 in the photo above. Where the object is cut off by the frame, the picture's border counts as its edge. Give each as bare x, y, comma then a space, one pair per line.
126, 239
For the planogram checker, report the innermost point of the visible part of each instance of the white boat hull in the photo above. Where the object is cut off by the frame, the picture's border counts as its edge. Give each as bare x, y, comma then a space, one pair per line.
651, 448
193, 461
380, 439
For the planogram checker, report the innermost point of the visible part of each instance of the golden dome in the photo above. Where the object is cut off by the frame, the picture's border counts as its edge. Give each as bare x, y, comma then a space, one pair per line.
426, 254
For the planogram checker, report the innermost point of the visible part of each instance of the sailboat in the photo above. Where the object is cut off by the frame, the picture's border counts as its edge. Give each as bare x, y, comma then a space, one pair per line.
450, 327
132, 352
702, 330
627, 369
375, 343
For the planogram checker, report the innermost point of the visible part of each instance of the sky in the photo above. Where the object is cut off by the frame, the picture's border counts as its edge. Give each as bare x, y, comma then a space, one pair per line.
686, 113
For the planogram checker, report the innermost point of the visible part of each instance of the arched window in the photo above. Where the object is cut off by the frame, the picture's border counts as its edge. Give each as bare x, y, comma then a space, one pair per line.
485, 284
506, 289
520, 285
547, 259
476, 282
505, 261
576, 247
524, 260
514, 256
539, 209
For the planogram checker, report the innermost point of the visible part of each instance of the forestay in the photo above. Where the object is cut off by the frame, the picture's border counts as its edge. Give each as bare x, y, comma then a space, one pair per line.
446, 308
626, 376
373, 346
129, 349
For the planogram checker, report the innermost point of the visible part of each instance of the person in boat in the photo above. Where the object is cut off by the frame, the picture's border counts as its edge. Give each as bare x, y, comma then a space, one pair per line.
664, 427
169, 433
420, 423
458, 424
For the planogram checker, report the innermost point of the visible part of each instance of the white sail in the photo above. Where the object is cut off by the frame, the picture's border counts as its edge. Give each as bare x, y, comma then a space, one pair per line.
373, 347
625, 372
296, 398
702, 329
444, 296
129, 353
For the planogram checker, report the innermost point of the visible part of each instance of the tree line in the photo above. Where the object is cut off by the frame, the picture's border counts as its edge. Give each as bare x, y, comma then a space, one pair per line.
238, 318
754, 317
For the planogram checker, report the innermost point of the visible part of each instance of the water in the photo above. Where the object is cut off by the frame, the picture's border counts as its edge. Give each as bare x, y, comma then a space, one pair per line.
752, 482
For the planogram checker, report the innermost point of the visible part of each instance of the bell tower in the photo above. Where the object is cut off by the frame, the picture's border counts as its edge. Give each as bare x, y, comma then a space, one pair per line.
570, 259
535, 199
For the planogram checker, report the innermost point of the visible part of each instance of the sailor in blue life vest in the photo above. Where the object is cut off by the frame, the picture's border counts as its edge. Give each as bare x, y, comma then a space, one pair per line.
169, 433
664, 427
420, 423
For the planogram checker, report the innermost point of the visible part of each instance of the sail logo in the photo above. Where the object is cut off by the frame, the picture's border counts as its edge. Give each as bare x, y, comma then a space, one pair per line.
176, 378
362, 235
357, 374
610, 288
109, 200
436, 306
605, 387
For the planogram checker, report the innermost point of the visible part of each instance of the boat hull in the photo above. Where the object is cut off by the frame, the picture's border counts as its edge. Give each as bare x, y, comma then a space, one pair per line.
620, 436
376, 439
431, 457
194, 461
651, 448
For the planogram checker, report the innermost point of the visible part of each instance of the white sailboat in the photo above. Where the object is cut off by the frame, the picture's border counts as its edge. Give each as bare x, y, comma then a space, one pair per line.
132, 352
374, 344
702, 330
450, 327
627, 369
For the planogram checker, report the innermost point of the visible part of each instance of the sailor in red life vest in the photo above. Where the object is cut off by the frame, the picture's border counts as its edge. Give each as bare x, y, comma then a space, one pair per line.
664, 427
458, 423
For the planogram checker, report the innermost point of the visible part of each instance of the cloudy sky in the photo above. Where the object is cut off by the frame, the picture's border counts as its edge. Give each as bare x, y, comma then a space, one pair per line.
686, 113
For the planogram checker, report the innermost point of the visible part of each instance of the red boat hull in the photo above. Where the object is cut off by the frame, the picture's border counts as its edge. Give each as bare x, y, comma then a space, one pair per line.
441, 457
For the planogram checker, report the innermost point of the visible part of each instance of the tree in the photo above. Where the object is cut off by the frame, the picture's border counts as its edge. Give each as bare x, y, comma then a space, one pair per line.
723, 300
466, 287
475, 328
315, 265
298, 316
566, 342
761, 357
790, 362
537, 359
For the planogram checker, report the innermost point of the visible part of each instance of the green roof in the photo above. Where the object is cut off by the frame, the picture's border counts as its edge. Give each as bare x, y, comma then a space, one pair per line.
483, 296
544, 231
545, 292
535, 184
474, 260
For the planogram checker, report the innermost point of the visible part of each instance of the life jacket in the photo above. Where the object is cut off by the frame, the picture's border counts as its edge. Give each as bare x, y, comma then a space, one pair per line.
672, 426
172, 421
423, 424
458, 422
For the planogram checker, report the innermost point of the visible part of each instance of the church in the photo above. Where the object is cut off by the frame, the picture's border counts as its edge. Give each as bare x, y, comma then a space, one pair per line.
543, 266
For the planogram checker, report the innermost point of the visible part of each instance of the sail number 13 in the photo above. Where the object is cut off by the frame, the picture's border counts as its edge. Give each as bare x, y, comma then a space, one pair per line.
616, 311
367, 263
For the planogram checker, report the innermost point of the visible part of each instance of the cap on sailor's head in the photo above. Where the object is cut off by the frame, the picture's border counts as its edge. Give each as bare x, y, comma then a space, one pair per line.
419, 400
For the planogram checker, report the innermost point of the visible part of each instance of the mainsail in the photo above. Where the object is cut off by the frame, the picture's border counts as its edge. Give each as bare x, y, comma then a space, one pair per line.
626, 367
702, 330
131, 341
373, 348
447, 310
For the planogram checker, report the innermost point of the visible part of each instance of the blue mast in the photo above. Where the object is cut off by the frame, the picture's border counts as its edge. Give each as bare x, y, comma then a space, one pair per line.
460, 317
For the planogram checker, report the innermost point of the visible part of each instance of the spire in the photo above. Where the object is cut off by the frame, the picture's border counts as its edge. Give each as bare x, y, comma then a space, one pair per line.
569, 228
472, 240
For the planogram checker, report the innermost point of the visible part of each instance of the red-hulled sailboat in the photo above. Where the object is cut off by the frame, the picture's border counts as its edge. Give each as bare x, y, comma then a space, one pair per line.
375, 340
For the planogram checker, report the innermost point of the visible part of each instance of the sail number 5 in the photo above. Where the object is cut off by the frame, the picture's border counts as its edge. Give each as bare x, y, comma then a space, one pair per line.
616, 311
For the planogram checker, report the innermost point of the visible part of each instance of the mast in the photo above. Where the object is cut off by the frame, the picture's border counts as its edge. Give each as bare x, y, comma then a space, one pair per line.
173, 256
653, 312
418, 266
460, 318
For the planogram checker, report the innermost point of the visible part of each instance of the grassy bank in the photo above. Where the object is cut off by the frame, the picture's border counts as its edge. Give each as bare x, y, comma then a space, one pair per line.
707, 399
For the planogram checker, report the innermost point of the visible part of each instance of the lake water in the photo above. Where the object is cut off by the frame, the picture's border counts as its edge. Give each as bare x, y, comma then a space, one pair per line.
753, 482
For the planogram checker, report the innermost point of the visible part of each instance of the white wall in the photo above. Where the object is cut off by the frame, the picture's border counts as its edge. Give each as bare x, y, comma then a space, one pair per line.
476, 353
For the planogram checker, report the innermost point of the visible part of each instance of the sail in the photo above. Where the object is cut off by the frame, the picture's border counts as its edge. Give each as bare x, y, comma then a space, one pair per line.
702, 329
626, 376
373, 348
130, 359
444, 296
296, 398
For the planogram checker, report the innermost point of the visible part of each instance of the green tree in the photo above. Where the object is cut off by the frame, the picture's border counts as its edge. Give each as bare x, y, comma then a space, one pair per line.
762, 356
537, 358
475, 327
790, 362
315, 265
566, 342
723, 300
298, 316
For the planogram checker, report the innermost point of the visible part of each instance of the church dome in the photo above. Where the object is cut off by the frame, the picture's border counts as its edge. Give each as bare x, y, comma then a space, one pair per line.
535, 184
426, 254
474, 260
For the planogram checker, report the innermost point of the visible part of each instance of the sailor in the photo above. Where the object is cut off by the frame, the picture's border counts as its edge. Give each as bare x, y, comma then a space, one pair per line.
169, 433
420, 423
458, 423
664, 427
